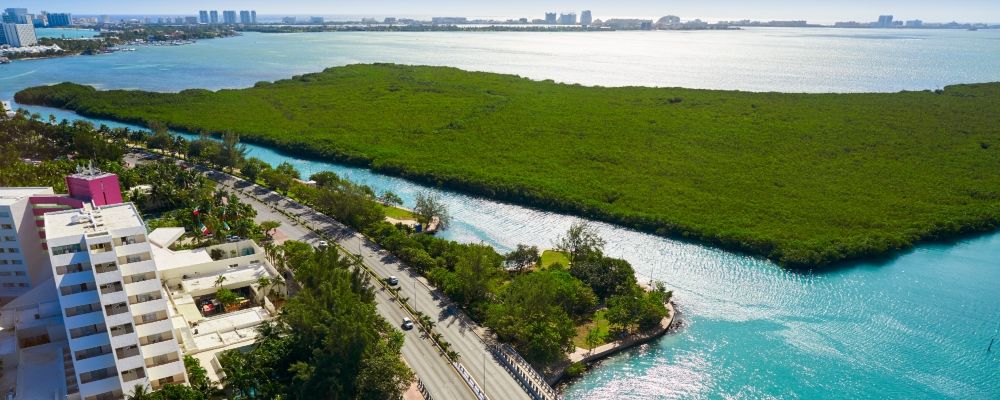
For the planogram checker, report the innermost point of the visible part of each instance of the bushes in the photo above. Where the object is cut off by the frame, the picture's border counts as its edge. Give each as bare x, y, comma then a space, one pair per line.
806, 179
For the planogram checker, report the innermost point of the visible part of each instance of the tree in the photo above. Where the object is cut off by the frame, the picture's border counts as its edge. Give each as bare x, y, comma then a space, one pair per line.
593, 339
580, 242
605, 275
268, 227
161, 138
227, 297
523, 257
326, 179
140, 392
328, 342
172, 391
263, 284
535, 312
478, 269
286, 168
390, 198
624, 310
428, 207
231, 152
198, 376
253, 167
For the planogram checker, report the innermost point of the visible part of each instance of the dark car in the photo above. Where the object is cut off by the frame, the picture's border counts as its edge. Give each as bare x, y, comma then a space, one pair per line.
407, 324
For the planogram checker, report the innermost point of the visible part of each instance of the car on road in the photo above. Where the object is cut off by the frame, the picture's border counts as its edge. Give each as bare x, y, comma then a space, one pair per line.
392, 280
322, 244
407, 324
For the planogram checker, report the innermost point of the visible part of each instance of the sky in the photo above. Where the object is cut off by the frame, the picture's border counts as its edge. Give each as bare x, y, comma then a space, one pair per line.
711, 10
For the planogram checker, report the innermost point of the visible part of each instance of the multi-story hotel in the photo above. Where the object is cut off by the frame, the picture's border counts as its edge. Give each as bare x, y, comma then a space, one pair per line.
115, 310
92, 303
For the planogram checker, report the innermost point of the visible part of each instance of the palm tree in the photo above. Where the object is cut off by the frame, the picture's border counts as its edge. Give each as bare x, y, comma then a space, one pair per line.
140, 392
219, 280
263, 286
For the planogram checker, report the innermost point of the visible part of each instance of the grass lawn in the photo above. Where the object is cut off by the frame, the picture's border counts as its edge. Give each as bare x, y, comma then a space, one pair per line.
804, 179
550, 257
582, 331
399, 213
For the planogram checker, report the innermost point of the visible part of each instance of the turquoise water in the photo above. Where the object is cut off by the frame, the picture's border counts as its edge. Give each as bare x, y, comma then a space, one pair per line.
65, 33
914, 326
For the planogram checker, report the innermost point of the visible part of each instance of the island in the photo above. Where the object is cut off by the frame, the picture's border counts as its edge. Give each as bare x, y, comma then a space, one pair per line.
807, 180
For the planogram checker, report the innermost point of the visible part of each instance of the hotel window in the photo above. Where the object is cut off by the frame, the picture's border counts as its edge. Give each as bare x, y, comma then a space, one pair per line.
97, 375
16, 262
13, 250
115, 309
10, 238
7, 226
112, 287
106, 267
122, 329
127, 351
133, 374
73, 248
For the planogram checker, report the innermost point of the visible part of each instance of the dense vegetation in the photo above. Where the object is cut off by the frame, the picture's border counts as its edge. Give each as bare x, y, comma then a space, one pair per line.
536, 309
328, 342
805, 179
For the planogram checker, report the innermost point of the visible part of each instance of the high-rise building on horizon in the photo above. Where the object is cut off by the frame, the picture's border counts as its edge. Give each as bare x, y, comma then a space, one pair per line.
885, 21
16, 16
229, 17
245, 17
60, 19
203, 16
567, 18
214, 16
586, 18
550, 18
19, 35
253, 17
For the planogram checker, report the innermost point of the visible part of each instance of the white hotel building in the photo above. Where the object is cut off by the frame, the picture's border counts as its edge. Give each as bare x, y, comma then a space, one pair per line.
91, 305
115, 309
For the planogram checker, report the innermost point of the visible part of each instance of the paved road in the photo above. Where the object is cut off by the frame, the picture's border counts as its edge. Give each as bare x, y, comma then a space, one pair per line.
454, 326
432, 368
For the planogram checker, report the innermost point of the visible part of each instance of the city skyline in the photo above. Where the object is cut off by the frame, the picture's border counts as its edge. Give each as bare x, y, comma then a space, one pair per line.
966, 11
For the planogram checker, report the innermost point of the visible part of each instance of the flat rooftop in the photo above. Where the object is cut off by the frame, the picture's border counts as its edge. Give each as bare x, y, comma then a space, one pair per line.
10, 195
167, 259
91, 220
235, 278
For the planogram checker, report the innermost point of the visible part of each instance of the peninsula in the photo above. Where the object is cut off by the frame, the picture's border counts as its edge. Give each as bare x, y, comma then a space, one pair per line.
804, 179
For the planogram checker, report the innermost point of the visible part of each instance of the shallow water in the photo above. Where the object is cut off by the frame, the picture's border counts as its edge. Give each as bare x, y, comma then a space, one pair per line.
915, 326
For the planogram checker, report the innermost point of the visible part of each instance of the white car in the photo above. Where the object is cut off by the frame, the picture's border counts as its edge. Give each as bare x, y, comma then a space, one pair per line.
407, 324
322, 244
392, 281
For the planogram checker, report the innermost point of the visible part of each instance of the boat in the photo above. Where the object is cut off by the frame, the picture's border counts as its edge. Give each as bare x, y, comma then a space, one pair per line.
4, 60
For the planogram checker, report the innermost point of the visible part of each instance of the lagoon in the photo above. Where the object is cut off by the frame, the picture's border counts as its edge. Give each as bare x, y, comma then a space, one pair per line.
912, 326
